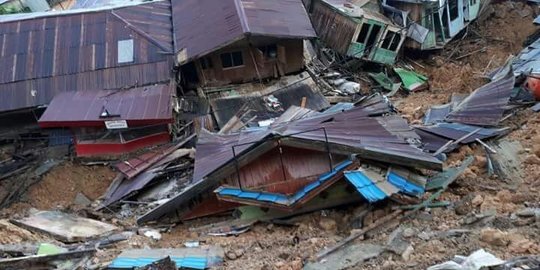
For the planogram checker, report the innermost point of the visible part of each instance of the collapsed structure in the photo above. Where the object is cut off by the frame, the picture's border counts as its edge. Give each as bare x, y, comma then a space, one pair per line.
232, 122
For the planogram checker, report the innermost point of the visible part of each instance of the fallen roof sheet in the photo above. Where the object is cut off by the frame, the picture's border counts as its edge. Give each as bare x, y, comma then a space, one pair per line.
267, 199
371, 186
192, 258
137, 165
375, 184
486, 105
442, 179
385, 81
432, 142
412, 81
455, 131
437, 113
227, 21
65, 227
139, 106
375, 105
140, 181
528, 60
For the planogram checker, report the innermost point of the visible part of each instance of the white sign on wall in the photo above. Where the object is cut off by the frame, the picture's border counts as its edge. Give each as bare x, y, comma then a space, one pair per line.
117, 124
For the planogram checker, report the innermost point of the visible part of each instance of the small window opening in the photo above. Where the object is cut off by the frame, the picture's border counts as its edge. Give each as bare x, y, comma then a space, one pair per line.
232, 59
125, 51
363, 33
454, 11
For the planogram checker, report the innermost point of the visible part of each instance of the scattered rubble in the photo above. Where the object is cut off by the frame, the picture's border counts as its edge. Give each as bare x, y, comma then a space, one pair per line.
378, 148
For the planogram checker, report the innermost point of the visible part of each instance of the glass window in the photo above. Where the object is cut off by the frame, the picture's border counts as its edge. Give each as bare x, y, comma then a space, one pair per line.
232, 59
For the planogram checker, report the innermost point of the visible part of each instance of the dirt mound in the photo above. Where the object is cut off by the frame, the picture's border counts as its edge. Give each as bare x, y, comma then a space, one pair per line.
59, 187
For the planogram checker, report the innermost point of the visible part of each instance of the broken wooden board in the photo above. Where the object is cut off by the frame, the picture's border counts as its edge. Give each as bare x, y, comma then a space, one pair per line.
443, 179
65, 227
507, 161
55, 261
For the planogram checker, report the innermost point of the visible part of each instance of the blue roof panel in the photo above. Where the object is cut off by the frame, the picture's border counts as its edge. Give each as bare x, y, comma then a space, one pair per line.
187, 262
404, 185
365, 186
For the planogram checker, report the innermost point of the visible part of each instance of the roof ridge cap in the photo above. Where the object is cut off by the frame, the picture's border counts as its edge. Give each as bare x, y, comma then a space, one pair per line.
242, 15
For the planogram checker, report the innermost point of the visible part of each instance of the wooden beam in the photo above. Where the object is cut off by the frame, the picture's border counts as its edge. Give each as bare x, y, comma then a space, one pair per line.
378, 223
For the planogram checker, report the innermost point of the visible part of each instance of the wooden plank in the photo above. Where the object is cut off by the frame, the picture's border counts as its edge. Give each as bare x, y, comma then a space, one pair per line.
375, 225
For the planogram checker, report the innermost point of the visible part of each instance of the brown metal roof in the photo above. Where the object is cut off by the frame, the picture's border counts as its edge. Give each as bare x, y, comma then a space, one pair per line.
202, 26
486, 105
349, 132
45, 55
138, 106
353, 130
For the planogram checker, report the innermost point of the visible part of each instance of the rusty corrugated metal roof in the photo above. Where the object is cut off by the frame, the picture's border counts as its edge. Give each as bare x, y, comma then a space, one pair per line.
49, 54
202, 26
140, 106
371, 138
486, 105
352, 132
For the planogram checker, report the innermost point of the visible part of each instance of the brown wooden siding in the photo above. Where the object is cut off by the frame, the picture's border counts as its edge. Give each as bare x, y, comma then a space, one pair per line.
290, 60
269, 173
416, 13
333, 28
44, 56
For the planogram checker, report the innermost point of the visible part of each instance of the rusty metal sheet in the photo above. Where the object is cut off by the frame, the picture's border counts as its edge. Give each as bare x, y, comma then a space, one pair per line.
133, 167
226, 21
486, 105
140, 106
45, 54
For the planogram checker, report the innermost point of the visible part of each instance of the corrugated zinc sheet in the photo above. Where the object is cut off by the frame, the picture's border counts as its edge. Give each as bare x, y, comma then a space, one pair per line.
366, 186
486, 105
191, 258
226, 21
139, 106
187, 262
455, 131
46, 55
132, 167
352, 128
373, 185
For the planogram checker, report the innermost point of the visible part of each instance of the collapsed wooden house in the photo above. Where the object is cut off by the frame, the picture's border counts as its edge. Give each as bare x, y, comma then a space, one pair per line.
236, 41
290, 163
440, 20
356, 29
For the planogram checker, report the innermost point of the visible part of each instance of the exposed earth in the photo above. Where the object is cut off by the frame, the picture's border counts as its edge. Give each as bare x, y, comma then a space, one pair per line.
269, 246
